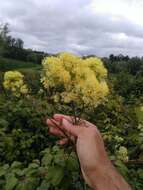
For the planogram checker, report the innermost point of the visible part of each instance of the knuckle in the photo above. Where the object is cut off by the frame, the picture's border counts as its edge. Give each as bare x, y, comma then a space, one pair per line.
94, 131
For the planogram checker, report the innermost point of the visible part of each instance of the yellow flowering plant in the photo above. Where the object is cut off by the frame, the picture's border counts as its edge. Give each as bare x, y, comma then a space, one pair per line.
13, 82
75, 81
122, 154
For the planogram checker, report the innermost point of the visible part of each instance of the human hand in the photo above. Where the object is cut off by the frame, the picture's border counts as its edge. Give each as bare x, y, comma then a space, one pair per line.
91, 152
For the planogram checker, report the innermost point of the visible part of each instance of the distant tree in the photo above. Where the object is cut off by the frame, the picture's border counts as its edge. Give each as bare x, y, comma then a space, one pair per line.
9, 46
4, 30
19, 43
135, 65
31, 56
112, 58
3, 36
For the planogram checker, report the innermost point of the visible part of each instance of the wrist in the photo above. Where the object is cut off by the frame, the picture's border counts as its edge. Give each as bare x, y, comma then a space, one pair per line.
106, 177
100, 175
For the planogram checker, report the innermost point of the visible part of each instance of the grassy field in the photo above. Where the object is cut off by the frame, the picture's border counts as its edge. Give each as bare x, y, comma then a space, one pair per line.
11, 64
30, 70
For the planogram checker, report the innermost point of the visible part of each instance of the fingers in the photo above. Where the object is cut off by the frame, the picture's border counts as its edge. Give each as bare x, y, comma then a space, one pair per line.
60, 117
63, 141
64, 125
52, 122
70, 128
55, 131
65, 122
60, 130
53, 128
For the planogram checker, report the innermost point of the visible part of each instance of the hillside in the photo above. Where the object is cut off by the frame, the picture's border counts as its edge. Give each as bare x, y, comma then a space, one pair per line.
12, 64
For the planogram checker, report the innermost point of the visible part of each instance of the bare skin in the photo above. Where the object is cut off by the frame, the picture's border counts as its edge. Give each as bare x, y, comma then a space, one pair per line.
97, 169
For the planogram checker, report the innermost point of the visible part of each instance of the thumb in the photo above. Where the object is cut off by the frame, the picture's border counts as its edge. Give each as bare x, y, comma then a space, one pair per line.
70, 128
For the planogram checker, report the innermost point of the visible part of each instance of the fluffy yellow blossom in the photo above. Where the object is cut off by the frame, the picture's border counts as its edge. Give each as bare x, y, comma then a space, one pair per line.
74, 79
97, 66
13, 81
54, 73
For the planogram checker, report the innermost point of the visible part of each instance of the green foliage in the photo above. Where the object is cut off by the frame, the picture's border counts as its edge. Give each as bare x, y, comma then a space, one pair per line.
22, 131
126, 76
32, 78
47, 173
29, 159
128, 86
27, 163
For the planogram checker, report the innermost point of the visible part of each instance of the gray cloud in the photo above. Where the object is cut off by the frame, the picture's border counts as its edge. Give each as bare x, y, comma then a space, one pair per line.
62, 25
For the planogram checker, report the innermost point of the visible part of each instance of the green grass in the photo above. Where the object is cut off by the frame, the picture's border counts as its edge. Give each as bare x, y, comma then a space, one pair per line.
11, 64
30, 71
36, 69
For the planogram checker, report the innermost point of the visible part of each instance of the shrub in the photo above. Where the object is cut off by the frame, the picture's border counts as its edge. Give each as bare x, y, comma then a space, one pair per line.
22, 131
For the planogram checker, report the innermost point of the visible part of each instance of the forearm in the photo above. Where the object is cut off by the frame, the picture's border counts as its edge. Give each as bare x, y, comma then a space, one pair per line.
108, 178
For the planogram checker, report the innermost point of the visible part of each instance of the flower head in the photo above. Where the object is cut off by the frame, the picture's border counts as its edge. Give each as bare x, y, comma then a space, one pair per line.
122, 153
74, 79
13, 81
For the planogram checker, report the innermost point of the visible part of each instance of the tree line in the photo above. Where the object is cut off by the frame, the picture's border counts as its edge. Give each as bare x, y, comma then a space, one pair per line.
13, 48
126, 75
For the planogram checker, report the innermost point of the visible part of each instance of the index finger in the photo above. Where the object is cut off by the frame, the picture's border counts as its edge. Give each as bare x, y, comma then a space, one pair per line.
60, 117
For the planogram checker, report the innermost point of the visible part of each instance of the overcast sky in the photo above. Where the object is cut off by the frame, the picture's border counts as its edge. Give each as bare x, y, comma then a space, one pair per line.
84, 27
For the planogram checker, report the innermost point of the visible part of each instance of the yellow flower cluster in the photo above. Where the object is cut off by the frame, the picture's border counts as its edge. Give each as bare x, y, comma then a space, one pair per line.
122, 154
13, 81
75, 79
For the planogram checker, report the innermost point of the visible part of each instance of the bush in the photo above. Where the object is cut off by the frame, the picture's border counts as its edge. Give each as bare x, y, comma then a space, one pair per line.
30, 161
32, 78
48, 173
22, 131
